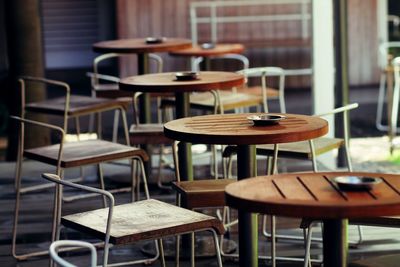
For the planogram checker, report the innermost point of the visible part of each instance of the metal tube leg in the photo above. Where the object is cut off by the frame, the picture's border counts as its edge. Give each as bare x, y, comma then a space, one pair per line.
217, 248
273, 242
161, 249
192, 256
115, 126
101, 180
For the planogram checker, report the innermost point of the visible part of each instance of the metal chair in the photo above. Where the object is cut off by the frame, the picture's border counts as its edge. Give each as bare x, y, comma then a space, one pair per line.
395, 103
106, 86
143, 220
67, 155
55, 246
386, 74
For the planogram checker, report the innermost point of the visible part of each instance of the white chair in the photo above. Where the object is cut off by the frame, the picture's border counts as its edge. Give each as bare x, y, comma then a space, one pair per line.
385, 68
65, 244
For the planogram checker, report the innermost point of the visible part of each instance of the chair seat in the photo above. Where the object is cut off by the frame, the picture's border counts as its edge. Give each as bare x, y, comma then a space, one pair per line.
299, 150
149, 133
202, 193
84, 153
142, 220
229, 100
256, 90
79, 105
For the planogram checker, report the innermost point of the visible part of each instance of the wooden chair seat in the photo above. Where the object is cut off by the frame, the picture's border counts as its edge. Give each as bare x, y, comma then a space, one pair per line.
142, 220
79, 105
149, 133
386, 221
229, 100
257, 90
202, 193
378, 261
80, 153
300, 150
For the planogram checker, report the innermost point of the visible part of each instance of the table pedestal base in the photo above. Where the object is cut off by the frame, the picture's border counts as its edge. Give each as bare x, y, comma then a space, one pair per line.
204, 247
335, 243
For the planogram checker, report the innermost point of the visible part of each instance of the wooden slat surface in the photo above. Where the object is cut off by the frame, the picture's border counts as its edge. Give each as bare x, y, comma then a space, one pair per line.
166, 82
219, 49
314, 195
202, 193
237, 129
142, 220
78, 105
84, 152
139, 45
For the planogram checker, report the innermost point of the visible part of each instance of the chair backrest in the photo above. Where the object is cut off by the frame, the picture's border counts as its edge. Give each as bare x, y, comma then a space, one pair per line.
111, 203
384, 52
56, 245
263, 73
25, 80
97, 77
21, 138
236, 59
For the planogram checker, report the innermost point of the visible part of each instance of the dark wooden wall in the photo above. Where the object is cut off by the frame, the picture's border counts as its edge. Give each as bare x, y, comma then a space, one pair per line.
136, 18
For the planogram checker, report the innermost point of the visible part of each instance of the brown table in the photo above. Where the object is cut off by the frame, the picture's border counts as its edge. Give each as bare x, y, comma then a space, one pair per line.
141, 48
166, 83
315, 196
235, 129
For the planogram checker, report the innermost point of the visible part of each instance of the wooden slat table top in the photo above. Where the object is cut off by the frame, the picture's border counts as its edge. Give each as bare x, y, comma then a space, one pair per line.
314, 195
166, 82
236, 129
142, 220
219, 49
139, 45
84, 153
78, 105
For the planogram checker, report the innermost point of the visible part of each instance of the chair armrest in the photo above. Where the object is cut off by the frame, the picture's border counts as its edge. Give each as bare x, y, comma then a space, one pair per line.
56, 179
42, 124
103, 77
53, 250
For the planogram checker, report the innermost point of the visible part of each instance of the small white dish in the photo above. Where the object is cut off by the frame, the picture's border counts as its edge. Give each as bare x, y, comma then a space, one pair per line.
356, 183
187, 76
155, 40
266, 119
207, 46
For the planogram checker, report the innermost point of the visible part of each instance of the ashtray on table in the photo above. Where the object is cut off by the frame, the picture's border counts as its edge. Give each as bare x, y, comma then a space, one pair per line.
155, 40
266, 119
356, 183
187, 76
207, 46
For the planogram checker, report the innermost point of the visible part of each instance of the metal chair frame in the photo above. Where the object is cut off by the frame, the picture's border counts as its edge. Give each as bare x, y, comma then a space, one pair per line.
54, 248
383, 64
58, 197
96, 79
59, 171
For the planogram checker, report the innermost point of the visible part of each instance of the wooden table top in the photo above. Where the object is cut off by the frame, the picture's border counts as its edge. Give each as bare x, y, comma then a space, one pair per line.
236, 129
139, 45
166, 82
219, 49
314, 195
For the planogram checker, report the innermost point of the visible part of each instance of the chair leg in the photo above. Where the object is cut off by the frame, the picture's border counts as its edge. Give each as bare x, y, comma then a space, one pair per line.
161, 249
115, 126
307, 244
217, 248
273, 241
102, 185
192, 250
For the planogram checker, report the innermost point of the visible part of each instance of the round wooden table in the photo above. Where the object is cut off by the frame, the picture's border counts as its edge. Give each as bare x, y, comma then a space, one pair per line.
236, 129
316, 196
141, 48
167, 83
